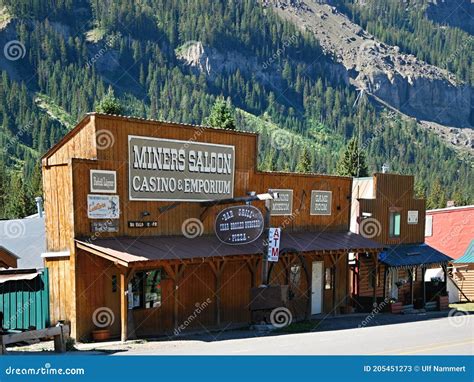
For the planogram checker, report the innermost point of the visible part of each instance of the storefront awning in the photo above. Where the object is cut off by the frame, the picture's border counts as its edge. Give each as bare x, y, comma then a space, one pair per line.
405, 256
128, 250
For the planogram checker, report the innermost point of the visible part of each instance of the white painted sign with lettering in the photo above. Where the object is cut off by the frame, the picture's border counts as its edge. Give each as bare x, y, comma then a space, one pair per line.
274, 236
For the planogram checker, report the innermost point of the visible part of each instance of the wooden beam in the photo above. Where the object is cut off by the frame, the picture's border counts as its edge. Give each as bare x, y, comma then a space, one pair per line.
123, 307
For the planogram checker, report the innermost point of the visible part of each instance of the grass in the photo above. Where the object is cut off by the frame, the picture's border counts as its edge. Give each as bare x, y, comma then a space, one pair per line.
300, 327
466, 307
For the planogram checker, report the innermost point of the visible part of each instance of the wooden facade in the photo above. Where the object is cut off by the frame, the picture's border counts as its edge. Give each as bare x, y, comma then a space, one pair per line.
83, 280
373, 282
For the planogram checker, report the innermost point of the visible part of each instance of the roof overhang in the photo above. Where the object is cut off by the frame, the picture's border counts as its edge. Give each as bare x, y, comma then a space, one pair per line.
131, 251
7, 258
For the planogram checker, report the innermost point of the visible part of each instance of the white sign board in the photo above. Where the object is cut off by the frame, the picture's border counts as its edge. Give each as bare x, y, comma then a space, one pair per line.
274, 236
412, 217
103, 206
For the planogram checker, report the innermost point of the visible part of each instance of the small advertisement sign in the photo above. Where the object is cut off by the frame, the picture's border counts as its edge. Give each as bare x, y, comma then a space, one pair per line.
103, 206
274, 236
105, 226
412, 217
103, 181
321, 202
283, 204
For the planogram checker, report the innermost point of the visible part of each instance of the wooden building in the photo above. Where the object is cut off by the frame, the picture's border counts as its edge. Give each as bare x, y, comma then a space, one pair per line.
385, 210
463, 274
130, 230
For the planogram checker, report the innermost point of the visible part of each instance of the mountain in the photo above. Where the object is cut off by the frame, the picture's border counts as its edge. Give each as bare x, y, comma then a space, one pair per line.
171, 59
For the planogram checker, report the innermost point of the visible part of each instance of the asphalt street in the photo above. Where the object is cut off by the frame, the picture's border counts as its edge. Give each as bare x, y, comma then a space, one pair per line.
441, 336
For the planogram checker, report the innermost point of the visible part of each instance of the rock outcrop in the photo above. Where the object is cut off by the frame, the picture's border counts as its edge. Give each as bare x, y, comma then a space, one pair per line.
401, 80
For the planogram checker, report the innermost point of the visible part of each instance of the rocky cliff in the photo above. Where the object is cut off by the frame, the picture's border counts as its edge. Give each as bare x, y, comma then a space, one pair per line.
399, 80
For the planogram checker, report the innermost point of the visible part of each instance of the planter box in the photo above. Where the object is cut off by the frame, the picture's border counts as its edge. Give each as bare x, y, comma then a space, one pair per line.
443, 302
396, 308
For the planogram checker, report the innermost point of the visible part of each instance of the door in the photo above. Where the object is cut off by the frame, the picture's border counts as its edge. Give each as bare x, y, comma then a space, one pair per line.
317, 288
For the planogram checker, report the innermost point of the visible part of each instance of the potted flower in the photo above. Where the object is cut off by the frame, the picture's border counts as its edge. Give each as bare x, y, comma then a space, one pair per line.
443, 300
396, 307
102, 318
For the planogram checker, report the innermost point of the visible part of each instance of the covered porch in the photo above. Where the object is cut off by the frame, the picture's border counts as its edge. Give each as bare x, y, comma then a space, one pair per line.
400, 277
167, 285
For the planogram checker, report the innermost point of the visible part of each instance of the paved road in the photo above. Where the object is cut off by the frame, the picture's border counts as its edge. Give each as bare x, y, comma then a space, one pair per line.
441, 336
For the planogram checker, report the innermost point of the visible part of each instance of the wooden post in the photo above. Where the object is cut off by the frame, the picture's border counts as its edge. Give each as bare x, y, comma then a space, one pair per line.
445, 271
3, 349
385, 271
123, 307
423, 271
374, 296
217, 268
411, 286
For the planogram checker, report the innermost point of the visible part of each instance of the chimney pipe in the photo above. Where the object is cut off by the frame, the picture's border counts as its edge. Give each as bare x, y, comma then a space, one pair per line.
385, 168
39, 206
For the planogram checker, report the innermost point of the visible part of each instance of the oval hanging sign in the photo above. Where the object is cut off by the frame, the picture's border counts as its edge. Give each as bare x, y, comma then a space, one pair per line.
239, 225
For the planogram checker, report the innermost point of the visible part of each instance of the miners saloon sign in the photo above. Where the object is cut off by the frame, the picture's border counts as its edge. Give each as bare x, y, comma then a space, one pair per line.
166, 169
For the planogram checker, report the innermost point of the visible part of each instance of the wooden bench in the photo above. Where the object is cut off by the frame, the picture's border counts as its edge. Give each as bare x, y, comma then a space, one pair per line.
59, 333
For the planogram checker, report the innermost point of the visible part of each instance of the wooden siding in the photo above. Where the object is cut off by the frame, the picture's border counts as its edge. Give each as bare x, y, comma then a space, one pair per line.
82, 284
61, 289
395, 191
466, 282
80, 142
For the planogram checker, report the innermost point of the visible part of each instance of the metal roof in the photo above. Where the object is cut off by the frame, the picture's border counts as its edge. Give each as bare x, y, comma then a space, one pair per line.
468, 256
26, 238
129, 249
411, 255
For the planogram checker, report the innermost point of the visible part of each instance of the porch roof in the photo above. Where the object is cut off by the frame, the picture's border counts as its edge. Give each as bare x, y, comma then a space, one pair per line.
137, 249
400, 256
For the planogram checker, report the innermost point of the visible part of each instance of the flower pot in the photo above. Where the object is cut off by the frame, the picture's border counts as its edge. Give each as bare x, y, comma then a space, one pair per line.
396, 307
101, 335
443, 302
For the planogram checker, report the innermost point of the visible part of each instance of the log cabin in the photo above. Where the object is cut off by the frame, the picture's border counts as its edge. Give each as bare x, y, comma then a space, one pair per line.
131, 207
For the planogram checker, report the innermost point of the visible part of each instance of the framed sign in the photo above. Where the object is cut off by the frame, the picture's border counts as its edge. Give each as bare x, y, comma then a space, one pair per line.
172, 170
283, 205
142, 224
321, 202
412, 217
239, 225
274, 236
103, 181
103, 206
105, 226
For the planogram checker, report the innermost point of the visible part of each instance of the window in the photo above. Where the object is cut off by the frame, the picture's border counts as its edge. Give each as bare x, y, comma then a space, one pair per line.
429, 226
145, 290
394, 224
328, 278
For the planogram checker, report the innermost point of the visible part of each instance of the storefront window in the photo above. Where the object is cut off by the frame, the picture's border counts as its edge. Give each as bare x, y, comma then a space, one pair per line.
394, 224
145, 290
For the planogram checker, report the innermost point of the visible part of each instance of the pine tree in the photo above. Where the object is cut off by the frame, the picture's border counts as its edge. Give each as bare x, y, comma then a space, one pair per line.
109, 104
17, 206
304, 162
436, 197
352, 162
221, 115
